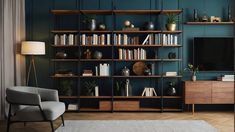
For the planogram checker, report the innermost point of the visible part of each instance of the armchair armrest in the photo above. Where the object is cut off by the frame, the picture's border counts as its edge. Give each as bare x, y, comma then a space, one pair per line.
22, 98
48, 94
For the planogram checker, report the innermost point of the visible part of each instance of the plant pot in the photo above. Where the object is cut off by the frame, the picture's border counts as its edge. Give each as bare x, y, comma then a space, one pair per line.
194, 78
92, 25
171, 27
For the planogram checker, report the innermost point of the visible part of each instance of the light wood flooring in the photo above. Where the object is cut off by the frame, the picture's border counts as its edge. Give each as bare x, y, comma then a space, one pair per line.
224, 121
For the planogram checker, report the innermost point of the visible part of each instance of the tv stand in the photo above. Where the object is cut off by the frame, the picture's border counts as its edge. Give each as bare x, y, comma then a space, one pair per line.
208, 92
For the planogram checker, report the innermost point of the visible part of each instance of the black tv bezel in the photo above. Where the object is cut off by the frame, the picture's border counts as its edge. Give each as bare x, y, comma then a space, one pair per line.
214, 70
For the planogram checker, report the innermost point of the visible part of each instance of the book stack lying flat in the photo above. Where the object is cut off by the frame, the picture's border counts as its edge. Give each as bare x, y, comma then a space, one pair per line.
171, 73
72, 107
149, 92
226, 78
87, 73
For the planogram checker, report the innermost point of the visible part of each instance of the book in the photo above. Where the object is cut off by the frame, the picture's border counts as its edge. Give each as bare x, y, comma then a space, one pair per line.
146, 39
96, 90
72, 107
171, 73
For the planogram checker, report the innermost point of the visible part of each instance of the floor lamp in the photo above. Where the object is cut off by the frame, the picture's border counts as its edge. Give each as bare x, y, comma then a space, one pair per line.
32, 48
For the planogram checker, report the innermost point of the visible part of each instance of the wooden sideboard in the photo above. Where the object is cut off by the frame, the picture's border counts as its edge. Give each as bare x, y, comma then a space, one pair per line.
208, 92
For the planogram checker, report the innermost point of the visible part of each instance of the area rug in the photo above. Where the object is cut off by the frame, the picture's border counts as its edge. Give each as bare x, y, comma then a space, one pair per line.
136, 126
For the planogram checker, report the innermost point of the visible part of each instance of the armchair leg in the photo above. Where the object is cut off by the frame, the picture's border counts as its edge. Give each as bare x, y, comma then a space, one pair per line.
9, 119
62, 118
52, 127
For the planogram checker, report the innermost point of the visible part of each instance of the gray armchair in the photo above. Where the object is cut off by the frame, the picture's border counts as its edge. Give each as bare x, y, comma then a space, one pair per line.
31, 104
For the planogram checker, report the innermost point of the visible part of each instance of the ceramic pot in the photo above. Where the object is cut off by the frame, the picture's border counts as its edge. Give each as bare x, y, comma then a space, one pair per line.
194, 78
171, 91
125, 71
97, 55
92, 25
102, 26
172, 55
149, 26
171, 27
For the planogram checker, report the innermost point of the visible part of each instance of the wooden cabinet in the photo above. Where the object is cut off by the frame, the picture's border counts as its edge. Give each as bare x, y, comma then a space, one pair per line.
208, 92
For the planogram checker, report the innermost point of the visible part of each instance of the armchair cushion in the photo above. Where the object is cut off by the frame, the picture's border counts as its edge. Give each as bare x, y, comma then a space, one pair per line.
51, 109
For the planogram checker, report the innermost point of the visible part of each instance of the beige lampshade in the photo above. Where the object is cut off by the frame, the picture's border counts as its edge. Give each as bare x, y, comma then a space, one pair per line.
33, 48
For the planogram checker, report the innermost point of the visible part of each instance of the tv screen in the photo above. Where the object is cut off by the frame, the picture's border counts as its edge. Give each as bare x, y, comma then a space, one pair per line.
213, 53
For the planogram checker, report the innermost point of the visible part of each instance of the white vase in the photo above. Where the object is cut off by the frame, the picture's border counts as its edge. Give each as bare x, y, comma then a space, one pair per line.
194, 78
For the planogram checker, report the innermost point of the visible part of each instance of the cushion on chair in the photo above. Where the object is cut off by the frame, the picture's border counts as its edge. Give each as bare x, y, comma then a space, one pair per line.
51, 109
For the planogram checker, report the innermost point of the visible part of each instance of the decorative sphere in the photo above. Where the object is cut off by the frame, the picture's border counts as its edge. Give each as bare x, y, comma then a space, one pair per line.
132, 26
97, 55
127, 23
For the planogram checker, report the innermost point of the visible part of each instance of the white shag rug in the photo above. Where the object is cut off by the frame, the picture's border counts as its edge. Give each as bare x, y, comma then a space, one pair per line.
136, 126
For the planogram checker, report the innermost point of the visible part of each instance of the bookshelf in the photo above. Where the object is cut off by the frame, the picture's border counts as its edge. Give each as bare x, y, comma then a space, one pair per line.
105, 41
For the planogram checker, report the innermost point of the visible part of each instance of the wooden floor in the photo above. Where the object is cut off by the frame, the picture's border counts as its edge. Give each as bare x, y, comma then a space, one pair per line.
224, 121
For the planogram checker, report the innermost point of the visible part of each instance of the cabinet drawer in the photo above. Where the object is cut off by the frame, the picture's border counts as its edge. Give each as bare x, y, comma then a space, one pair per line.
126, 105
223, 93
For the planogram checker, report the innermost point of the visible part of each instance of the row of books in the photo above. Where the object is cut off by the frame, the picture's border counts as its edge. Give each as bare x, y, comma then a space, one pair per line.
124, 39
169, 39
95, 39
130, 54
65, 39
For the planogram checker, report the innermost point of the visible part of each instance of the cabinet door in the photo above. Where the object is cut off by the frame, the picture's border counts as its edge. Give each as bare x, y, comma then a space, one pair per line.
198, 92
223, 93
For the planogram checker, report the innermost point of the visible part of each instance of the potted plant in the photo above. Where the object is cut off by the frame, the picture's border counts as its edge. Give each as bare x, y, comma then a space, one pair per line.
88, 88
194, 70
90, 21
171, 21
65, 87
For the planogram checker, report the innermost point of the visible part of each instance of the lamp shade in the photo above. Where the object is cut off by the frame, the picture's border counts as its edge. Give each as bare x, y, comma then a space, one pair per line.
33, 48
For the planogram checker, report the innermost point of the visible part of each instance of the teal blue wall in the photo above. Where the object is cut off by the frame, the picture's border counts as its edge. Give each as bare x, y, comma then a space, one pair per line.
39, 23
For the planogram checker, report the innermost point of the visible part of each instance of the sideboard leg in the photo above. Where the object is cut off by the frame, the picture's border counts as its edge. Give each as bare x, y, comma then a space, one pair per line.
193, 109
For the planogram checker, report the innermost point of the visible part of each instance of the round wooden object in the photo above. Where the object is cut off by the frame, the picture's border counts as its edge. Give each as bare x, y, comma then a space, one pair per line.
138, 68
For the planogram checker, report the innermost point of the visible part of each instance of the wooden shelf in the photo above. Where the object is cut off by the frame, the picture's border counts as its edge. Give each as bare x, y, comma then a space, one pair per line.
209, 23
137, 12
64, 31
172, 46
89, 109
137, 32
74, 76
94, 60
138, 60
95, 76
97, 12
171, 11
117, 12
171, 76
97, 31
153, 76
68, 97
172, 97
139, 45
167, 60
65, 46
136, 97
65, 12
67, 60
172, 32
95, 97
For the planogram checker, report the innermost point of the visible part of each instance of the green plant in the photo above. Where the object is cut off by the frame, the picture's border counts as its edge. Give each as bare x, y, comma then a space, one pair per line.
194, 70
172, 18
88, 18
65, 87
88, 87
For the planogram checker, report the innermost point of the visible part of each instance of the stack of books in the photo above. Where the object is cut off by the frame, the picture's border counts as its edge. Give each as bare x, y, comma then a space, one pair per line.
130, 54
87, 73
72, 107
169, 39
65, 39
95, 39
171, 73
226, 78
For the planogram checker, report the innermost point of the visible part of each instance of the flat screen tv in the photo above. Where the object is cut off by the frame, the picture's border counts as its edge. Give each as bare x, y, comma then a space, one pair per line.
213, 53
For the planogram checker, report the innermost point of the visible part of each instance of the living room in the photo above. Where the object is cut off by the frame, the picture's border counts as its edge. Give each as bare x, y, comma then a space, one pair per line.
80, 65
